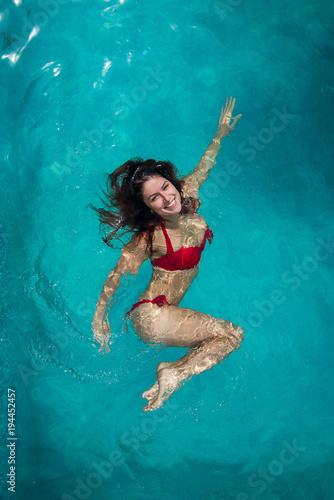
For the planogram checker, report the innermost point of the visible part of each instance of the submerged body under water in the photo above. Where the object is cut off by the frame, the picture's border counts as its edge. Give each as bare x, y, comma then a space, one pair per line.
157, 318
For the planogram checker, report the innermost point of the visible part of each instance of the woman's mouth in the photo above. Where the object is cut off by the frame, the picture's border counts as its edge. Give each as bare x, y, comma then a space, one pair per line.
171, 204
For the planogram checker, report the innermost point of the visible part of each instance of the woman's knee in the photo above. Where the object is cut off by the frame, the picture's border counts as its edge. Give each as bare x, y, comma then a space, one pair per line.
234, 332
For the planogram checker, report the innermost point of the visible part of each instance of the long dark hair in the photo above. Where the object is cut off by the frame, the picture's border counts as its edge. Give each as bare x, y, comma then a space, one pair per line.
124, 207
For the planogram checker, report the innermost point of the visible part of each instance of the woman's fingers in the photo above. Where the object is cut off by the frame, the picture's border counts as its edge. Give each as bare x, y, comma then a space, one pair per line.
104, 348
224, 108
227, 110
230, 106
103, 340
235, 121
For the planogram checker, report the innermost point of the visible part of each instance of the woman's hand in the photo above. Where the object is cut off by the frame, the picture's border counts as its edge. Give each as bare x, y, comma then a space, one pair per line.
102, 334
224, 127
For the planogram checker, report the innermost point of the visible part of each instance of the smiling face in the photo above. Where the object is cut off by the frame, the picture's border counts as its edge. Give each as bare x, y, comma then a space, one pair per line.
161, 196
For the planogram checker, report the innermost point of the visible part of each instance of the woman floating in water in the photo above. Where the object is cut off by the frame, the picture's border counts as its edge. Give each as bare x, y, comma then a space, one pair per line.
146, 198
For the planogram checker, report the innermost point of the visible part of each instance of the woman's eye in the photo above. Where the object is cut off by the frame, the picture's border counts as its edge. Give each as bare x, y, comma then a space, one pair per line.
165, 186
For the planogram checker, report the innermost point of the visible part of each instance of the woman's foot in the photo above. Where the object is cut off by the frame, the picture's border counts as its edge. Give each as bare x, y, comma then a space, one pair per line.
169, 380
151, 393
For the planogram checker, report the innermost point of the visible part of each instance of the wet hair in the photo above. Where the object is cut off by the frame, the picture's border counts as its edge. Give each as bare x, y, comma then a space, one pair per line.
124, 210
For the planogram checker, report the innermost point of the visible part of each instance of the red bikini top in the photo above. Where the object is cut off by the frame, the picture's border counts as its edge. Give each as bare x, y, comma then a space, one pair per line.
184, 258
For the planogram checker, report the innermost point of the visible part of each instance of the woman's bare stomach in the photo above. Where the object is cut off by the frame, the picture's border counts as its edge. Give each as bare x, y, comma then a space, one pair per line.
172, 284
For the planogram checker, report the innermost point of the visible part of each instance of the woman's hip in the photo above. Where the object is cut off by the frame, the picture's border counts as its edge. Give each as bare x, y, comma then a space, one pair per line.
177, 326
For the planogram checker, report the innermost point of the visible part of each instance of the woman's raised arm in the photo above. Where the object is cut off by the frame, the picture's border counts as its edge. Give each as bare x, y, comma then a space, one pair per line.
132, 257
200, 174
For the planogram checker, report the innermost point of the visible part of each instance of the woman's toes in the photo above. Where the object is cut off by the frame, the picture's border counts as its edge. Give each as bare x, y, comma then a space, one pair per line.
152, 392
151, 406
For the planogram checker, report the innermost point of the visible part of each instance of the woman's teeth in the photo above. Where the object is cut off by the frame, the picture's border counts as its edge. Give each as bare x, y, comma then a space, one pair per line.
170, 204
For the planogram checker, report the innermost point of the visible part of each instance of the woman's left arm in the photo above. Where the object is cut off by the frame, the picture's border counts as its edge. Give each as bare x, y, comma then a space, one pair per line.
200, 174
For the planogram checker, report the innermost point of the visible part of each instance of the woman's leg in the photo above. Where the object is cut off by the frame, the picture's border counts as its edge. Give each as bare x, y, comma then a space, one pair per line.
211, 340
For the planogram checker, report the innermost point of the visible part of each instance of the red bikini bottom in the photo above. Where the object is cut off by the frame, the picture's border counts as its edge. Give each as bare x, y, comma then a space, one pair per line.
160, 300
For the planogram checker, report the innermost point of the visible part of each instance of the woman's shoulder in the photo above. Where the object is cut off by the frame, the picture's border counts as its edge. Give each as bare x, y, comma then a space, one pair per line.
194, 217
197, 221
138, 240
135, 251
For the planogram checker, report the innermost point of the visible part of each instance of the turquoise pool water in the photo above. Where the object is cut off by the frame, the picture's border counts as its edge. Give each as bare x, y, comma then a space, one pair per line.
85, 85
